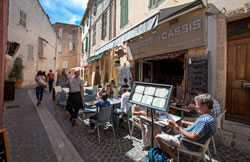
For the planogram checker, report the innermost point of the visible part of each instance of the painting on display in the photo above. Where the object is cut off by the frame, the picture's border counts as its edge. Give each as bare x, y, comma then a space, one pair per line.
155, 96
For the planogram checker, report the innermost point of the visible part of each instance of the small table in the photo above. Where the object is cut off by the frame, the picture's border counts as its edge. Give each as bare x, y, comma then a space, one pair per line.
93, 108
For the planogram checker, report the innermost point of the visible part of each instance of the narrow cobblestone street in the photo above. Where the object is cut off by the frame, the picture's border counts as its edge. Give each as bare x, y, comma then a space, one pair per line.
28, 140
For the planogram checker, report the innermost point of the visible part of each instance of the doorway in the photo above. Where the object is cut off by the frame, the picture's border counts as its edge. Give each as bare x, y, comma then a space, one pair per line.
238, 81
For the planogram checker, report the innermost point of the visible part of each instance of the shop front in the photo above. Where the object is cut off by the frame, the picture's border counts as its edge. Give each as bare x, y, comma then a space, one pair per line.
166, 54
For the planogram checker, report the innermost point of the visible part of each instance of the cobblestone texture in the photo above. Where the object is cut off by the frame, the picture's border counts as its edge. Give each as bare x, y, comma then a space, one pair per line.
28, 140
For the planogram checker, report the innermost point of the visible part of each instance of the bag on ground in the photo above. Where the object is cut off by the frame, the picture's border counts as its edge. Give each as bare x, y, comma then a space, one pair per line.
156, 155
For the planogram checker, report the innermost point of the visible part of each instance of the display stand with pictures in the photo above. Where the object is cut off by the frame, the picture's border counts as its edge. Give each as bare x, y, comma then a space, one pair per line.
153, 96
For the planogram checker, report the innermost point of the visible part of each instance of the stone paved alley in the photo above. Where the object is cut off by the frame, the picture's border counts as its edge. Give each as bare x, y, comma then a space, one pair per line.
44, 134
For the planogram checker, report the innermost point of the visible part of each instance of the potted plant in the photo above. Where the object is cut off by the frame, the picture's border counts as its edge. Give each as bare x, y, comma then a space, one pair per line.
17, 72
117, 62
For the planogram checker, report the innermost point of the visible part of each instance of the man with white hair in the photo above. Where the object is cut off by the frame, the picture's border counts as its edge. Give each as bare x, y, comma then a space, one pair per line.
199, 131
76, 96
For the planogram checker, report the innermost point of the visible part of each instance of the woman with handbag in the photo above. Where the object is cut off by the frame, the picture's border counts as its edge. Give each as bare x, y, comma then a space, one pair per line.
40, 85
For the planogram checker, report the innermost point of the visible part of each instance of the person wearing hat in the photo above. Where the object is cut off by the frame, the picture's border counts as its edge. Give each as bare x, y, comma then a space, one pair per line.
76, 96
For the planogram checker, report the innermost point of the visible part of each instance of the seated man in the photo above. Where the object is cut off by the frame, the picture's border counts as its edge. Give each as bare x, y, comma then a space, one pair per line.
216, 106
124, 107
199, 131
101, 103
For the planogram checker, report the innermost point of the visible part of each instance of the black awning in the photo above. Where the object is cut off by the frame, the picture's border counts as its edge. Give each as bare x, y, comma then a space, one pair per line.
172, 11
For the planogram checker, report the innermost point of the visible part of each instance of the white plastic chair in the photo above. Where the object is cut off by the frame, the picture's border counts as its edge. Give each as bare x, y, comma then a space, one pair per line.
201, 154
135, 120
219, 125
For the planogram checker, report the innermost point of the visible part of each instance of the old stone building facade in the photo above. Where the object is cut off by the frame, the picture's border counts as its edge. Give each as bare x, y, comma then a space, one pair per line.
69, 46
136, 27
30, 27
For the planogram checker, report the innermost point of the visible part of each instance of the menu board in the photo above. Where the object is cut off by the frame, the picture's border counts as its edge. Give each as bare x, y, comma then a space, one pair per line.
4, 156
155, 96
197, 76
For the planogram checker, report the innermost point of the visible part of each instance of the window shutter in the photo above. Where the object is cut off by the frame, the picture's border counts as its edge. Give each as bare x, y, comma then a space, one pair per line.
150, 3
126, 13
83, 27
30, 52
82, 47
70, 46
121, 13
88, 19
40, 49
86, 44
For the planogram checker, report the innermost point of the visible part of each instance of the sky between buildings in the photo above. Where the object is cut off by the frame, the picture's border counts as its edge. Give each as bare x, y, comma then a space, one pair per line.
65, 11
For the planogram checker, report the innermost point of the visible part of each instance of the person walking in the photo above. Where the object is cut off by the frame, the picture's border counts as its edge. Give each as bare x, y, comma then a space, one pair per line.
76, 96
40, 85
51, 77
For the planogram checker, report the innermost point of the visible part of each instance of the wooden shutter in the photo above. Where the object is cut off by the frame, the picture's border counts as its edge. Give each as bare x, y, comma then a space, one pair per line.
126, 13
86, 44
30, 52
40, 48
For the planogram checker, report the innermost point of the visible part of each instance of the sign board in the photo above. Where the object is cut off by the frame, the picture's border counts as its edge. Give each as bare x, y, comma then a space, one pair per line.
188, 31
65, 64
4, 154
124, 73
154, 96
197, 76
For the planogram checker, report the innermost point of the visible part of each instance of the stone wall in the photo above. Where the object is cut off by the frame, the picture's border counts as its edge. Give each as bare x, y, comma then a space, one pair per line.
37, 26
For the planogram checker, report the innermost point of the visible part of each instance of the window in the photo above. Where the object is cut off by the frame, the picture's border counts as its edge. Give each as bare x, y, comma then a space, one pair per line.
86, 44
82, 47
60, 32
94, 35
95, 7
65, 64
30, 52
22, 18
154, 3
104, 25
40, 48
87, 19
71, 46
123, 13
59, 48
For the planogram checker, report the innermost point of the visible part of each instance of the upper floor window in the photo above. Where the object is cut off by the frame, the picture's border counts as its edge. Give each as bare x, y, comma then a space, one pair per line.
71, 46
59, 48
94, 35
22, 18
123, 13
60, 32
86, 44
154, 3
104, 25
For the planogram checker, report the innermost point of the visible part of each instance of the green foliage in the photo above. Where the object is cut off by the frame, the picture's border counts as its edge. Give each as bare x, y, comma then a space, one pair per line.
17, 70
117, 61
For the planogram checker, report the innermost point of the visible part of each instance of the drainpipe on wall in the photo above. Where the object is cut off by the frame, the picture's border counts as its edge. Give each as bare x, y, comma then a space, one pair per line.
114, 35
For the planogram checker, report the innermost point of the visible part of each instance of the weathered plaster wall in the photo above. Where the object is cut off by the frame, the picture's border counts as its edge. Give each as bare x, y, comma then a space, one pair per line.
37, 26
